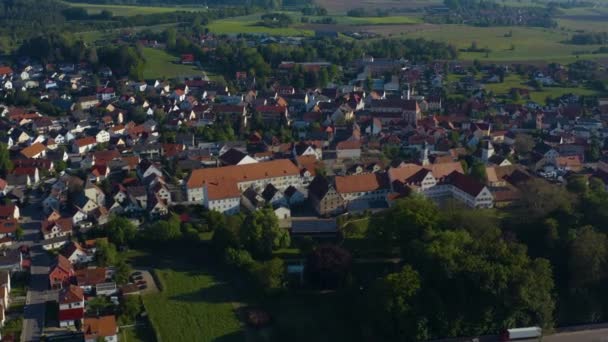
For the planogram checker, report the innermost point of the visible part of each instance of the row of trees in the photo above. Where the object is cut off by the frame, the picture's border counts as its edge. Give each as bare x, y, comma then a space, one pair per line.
490, 13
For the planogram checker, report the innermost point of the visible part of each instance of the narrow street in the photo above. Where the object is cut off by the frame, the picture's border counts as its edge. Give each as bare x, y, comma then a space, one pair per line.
37, 294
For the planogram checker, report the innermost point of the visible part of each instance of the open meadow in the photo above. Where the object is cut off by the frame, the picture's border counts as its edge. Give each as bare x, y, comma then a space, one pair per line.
193, 306
160, 64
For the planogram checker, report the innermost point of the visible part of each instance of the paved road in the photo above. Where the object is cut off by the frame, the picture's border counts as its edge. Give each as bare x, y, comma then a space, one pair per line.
37, 294
597, 335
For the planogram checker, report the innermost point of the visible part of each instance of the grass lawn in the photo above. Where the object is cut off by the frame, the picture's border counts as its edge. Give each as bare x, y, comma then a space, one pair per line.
193, 306
126, 11
530, 44
160, 64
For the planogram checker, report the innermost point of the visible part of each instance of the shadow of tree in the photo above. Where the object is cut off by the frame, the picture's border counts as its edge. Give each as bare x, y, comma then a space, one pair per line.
218, 293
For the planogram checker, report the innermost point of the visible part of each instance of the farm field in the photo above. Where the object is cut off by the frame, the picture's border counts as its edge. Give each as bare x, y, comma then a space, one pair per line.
160, 64
127, 10
342, 6
193, 306
248, 24
516, 81
530, 44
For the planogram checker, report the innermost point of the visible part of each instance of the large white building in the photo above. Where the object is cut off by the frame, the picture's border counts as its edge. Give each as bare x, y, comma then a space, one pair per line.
220, 188
440, 181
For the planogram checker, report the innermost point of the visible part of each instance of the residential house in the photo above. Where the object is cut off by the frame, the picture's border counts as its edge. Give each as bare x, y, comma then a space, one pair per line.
364, 190
36, 150
83, 145
88, 278
324, 198
61, 273
77, 254
9, 211
71, 306
348, 149
102, 328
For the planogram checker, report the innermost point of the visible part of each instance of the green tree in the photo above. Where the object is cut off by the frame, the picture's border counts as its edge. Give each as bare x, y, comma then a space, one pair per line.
411, 218
120, 230
395, 308
123, 272
227, 235
540, 198
478, 171
105, 254
166, 230
524, 143
238, 257
19, 232
6, 164
269, 275
588, 258
130, 307
328, 267
577, 184
261, 234
98, 305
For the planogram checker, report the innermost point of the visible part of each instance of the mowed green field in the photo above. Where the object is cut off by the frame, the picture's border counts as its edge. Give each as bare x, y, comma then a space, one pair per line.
160, 64
127, 11
193, 306
530, 44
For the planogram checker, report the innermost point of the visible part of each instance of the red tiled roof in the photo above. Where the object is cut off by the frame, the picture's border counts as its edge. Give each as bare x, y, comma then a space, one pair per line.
361, 183
71, 314
243, 173
71, 294
85, 141
33, 150
5, 70
97, 327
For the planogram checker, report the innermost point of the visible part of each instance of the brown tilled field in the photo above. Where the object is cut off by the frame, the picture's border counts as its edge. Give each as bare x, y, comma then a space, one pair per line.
341, 6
